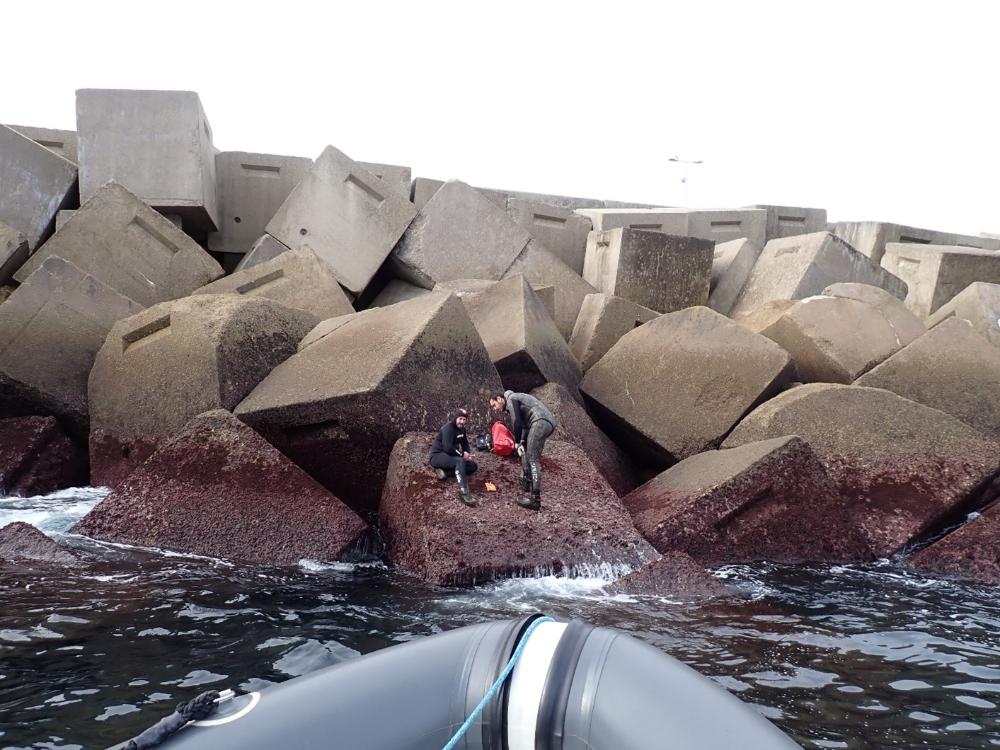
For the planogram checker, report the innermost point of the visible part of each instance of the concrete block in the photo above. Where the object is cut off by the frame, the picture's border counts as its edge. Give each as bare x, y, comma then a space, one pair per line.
397, 291
978, 303
34, 185
66, 214
871, 237
542, 268
718, 225
263, 250
392, 174
37, 457
791, 221
803, 266
663, 272
561, 230
458, 234
13, 251
906, 326
462, 288
732, 263
423, 188
968, 553
162, 367
603, 320
124, 243
936, 273
346, 215
59, 142
251, 189
158, 144
58, 310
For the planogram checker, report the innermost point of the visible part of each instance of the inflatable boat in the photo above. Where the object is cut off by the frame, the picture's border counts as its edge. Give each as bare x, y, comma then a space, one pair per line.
528, 684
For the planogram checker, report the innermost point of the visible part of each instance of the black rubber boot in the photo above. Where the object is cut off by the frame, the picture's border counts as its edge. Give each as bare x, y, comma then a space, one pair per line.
531, 503
525, 484
440, 473
464, 494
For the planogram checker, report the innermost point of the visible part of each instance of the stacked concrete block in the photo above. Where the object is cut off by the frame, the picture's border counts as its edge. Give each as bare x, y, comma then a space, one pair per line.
718, 225
462, 288
561, 230
158, 144
802, 266
732, 263
264, 249
251, 189
35, 185
124, 243
50, 330
297, 279
392, 174
162, 367
978, 303
59, 142
458, 234
13, 251
663, 272
424, 188
397, 291
906, 326
935, 274
871, 237
790, 221
603, 320
346, 215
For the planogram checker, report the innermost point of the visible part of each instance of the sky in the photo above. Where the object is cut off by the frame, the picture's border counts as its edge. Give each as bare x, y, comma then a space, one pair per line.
876, 111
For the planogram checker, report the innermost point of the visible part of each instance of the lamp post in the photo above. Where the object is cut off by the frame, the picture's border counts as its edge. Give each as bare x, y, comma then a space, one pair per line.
686, 163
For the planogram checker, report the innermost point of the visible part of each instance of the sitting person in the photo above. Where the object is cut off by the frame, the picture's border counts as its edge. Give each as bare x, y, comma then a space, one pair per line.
450, 455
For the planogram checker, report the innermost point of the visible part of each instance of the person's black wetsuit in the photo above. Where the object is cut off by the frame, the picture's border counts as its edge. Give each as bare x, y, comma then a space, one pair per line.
531, 423
450, 444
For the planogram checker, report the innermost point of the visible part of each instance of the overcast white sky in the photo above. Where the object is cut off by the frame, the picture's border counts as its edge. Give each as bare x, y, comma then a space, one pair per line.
874, 110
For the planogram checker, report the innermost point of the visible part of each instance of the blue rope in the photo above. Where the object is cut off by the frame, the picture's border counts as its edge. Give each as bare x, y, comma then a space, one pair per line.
453, 742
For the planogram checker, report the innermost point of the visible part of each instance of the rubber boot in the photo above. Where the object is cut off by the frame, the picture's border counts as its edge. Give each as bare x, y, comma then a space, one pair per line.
464, 494
535, 485
440, 473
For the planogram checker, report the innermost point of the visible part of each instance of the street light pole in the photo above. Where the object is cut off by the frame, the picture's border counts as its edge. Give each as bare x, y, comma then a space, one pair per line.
686, 163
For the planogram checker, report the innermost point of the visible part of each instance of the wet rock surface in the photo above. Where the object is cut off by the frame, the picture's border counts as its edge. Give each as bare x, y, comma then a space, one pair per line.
37, 457
21, 541
674, 575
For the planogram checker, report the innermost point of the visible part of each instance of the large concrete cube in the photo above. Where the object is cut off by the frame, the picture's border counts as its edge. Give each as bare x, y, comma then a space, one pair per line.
34, 185
392, 174
13, 251
732, 263
799, 267
164, 366
51, 328
790, 221
559, 229
669, 389
936, 273
716, 224
978, 303
905, 324
663, 272
395, 291
121, 241
158, 144
359, 382
38, 457
969, 553
346, 215
251, 189
521, 337
458, 234
59, 142
871, 237
297, 278
603, 320
264, 249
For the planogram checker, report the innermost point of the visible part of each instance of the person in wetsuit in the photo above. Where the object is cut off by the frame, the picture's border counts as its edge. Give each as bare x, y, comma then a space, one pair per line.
450, 454
531, 425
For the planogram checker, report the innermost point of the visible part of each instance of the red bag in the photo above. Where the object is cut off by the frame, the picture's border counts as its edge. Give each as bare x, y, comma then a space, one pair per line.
503, 440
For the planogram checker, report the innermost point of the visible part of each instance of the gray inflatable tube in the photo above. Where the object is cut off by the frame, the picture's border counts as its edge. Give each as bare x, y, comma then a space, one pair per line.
575, 687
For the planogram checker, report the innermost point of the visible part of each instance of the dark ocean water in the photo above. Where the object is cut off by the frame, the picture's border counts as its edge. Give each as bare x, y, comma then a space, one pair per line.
838, 657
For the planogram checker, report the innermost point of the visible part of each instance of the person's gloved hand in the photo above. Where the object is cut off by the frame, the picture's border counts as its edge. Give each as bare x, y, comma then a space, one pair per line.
520, 450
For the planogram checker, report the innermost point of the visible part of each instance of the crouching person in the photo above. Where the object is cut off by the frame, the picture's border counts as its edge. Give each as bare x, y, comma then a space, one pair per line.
531, 424
450, 455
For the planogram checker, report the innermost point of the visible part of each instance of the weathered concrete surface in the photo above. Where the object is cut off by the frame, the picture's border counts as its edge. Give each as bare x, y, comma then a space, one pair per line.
522, 339
669, 389
717, 225
394, 175
559, 229
397, 291
21, 541
60, 142
359, 382
978, 303
900, 466
264, 249
576, 427
13, 251
542, 268
660, 271
348, 216
800, 267
423, 188
731, 266
906, 325
603, 320
768, 500
970, 552
463, 288
50, 330
251, 189
674, 575
790, 221
36, 184
763, 317
458, 234
158, 144
833, 339
5, 292
296, 279
217, 488
950, 368
160, 368
937, 273
430, 533
37, 457
124, 243
871, 237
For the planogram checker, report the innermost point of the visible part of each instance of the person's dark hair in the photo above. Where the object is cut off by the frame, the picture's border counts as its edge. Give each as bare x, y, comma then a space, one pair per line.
498, 396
